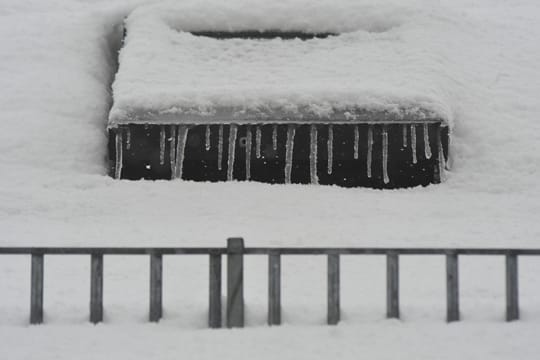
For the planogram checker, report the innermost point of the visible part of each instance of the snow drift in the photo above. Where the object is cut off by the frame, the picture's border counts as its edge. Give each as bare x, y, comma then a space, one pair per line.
384, 57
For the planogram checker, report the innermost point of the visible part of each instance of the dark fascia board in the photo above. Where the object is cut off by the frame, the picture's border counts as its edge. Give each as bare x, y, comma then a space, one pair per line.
229, 115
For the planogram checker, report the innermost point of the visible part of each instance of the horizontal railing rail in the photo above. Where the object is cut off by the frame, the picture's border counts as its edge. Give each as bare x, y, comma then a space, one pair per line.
386, 251
111, 250
262, 251
235, 252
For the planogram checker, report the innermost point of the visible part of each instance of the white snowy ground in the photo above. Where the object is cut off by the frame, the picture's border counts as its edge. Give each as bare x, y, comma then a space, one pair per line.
55, 70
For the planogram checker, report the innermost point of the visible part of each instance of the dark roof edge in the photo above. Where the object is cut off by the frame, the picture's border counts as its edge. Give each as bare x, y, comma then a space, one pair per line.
233, 116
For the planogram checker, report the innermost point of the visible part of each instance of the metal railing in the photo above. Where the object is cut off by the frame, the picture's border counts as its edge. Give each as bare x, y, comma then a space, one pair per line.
235, 252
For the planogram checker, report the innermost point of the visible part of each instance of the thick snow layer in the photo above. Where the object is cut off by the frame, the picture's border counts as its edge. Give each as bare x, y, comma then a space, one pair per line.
56, 66
387, 56
385, 341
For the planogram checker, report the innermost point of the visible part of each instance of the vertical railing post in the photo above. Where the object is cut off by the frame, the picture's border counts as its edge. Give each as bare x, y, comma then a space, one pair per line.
274, 289
392, 285
452, 287
235, 282
333, 314
96, 288
156, 287
214, 307
36, 289
512, 300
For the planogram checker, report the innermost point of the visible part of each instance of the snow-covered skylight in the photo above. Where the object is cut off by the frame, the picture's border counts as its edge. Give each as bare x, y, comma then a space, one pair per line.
385, 59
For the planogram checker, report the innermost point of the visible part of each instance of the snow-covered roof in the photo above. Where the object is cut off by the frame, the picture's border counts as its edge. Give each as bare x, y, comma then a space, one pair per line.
380, 66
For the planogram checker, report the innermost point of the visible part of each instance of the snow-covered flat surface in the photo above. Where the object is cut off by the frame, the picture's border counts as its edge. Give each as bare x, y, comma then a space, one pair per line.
56, 65
384, 57
380, 341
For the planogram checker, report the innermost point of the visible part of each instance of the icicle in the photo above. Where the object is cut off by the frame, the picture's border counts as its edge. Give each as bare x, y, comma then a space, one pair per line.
356, 141
404, 133
119, 155
220, 148
233, 130
172, 150
330, 148
180, 151
258, 137
161, 145
369, 149
442, 164
248, 152
313, 155
413, 143
128, 139
385, 155
448, 159
274, 137
427, 148
207, 138
289, 148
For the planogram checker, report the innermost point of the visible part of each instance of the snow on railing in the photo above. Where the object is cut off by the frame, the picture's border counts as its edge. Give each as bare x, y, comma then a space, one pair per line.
235, 252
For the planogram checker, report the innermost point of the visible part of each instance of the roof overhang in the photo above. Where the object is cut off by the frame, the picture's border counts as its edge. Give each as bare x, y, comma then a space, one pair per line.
229, 115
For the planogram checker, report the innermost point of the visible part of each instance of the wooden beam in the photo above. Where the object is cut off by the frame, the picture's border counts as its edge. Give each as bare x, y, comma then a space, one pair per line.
156, 287
274, 289
452, 287
333, 315
96, 288
14, 250
512, 300
36, 289
235, 282
214, 312
392, 285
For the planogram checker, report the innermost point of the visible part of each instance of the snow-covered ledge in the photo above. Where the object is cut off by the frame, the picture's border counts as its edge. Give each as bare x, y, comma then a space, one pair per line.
375, 69
221, 73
